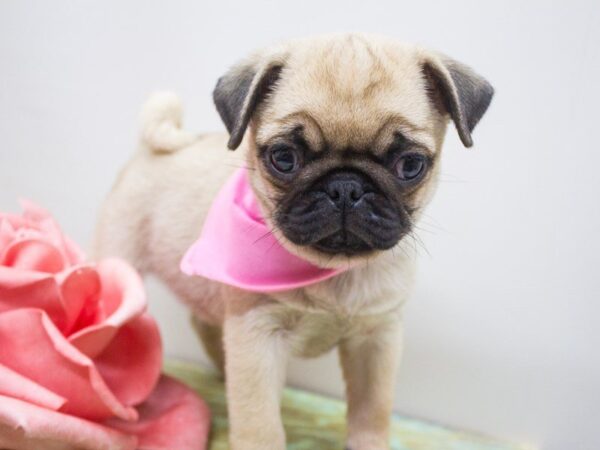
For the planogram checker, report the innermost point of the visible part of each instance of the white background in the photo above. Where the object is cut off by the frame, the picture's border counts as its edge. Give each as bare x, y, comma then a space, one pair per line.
502, 333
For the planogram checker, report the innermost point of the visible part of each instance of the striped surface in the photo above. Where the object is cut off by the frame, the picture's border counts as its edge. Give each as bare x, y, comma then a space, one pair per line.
314, 422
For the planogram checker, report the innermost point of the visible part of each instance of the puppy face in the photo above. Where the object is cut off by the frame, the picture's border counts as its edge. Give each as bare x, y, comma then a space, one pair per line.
343, 200
345, 135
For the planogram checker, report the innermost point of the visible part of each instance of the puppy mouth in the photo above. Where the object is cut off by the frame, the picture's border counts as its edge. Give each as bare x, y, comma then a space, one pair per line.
344, 233
343, 242
359, 234
350, 219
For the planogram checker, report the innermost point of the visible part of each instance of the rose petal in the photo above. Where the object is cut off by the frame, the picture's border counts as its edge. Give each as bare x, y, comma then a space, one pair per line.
7, 234
38, 218
173, 417
12, 278
27, 289
17, 221
131, 363
122, 299
17, 386
123, 292
24, 426
125, 346
35, 348
80, 291
33, 211
34, 254
70, 251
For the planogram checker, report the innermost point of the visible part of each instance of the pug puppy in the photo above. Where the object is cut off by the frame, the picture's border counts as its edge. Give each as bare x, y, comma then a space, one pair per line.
342, 136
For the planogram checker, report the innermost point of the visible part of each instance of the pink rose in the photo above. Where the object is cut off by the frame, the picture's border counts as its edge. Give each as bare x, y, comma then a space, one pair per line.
77, 348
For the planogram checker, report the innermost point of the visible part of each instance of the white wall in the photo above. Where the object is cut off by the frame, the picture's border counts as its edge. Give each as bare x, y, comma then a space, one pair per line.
501, 333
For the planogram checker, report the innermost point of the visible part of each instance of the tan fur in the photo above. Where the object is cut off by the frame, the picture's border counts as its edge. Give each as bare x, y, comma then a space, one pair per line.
347, 90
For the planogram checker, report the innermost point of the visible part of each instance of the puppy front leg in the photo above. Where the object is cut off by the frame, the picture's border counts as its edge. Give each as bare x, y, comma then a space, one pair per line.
369, 362
255, 358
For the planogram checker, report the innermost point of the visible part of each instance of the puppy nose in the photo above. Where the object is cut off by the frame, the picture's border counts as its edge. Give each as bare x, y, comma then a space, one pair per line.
345, 189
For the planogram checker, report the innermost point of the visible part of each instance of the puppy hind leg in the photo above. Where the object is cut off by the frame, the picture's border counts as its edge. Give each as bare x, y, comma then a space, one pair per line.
211, 337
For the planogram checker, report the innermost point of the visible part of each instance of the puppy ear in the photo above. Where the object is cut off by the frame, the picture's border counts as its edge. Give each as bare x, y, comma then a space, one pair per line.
458, 91
239, 92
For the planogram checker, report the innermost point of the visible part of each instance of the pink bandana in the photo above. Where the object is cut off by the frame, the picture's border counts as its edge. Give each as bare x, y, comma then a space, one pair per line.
237, 248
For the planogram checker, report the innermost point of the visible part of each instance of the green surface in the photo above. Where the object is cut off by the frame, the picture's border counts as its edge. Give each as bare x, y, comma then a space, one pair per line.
314, 422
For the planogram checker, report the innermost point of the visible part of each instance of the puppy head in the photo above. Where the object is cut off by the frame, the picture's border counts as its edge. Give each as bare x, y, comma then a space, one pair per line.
344, 135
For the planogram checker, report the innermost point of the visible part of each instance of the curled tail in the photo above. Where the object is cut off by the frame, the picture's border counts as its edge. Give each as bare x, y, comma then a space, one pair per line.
161, 124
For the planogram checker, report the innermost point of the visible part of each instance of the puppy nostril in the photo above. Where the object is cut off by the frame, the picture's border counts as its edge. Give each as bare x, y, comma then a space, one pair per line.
356, 194
345, 191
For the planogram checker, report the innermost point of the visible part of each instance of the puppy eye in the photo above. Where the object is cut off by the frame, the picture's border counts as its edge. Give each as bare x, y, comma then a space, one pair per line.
284, 159
409, 167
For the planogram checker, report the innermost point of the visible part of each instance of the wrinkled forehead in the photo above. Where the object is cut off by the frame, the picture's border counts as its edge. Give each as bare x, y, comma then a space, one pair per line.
351, 94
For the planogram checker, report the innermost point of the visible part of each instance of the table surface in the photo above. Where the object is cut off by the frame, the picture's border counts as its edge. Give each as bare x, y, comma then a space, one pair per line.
315, 422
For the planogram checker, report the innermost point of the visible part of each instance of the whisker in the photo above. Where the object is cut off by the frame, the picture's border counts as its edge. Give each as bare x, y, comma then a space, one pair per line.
417, 240
262, 237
